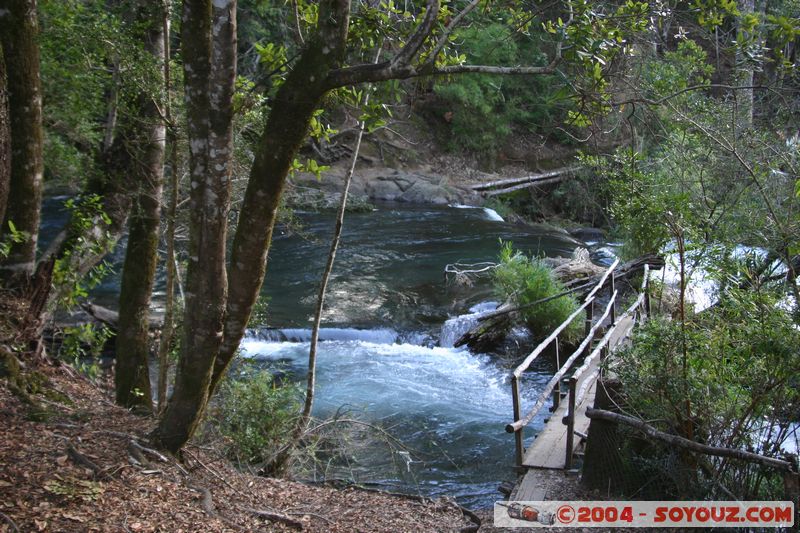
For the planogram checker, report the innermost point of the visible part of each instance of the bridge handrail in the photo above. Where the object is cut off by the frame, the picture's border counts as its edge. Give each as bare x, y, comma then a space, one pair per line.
588, 305
603, 279
587, 363
545, 343
519, 424
576, 398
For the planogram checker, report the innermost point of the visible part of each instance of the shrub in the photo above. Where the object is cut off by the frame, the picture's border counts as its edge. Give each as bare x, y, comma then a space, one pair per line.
525, 280
81, 346
256, 415
734, 385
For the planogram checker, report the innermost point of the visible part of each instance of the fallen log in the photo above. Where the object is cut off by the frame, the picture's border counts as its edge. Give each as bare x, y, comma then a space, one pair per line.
110, 317
527, 185
681, 442
533, 178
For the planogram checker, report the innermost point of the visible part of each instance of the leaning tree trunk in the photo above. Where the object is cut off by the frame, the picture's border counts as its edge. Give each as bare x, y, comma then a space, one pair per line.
286, 128
132, 377
209, 51
19, 29
5, 141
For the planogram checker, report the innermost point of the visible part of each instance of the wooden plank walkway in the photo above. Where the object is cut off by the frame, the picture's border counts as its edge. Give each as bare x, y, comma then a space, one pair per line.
549, 447
548, 450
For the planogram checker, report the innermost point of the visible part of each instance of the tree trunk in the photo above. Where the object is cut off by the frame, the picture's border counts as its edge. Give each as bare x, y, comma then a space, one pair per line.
209, 51
5, 141
169, 305
19, 28
286, 128
745, 98
603, 468
311, 377
132, 377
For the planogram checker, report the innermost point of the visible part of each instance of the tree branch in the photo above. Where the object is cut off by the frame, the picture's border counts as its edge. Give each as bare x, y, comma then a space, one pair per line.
659, 101
687, 444
412, 47
367, 73
442, 42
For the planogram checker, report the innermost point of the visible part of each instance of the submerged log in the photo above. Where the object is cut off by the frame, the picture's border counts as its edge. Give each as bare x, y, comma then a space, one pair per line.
488, 334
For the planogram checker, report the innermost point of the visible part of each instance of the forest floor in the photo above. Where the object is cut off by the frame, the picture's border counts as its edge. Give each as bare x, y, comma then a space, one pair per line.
78, 463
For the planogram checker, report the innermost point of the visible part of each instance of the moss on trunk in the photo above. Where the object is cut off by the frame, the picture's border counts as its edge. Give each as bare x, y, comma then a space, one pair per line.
19, 30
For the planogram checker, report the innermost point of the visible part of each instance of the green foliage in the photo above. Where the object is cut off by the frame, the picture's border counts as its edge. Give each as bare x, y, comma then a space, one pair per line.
75, 38
258, 317
592, 38
10, 238
738, 373
525, 280
482, 109
87, 233
81, 346
256, 415
637, 206
92, 60
685, 67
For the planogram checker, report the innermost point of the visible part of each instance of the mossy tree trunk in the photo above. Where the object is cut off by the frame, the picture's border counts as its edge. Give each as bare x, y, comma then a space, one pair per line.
132, 378
209, 52
286, 128
19, 30
5, 140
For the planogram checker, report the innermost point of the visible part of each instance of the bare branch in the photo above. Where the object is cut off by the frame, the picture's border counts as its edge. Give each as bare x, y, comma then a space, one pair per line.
487, 69
705, 86
412, 47
675, 440
368, 73
442, 42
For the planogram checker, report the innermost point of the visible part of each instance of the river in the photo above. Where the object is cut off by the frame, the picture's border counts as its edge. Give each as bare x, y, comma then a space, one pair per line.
380, 357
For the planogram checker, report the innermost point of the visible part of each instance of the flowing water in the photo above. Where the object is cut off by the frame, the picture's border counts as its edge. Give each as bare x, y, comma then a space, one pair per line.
386, 354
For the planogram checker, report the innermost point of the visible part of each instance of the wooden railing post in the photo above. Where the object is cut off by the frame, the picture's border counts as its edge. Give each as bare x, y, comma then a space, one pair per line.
614, 305
646, 289
573, 381
557, 389
589, 318
518, 435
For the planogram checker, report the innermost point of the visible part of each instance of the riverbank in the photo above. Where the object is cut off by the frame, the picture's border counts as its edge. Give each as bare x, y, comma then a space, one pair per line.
83, 464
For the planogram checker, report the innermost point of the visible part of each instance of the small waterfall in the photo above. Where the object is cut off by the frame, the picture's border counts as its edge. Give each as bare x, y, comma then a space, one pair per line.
375, 336
490, 213
455, 327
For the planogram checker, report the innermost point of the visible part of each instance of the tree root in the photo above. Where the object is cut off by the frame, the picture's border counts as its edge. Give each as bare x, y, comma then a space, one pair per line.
276, 517
207, 501
9, 521
81, 460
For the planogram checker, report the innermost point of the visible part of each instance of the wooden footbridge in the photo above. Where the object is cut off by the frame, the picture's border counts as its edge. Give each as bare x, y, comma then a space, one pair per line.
556, 445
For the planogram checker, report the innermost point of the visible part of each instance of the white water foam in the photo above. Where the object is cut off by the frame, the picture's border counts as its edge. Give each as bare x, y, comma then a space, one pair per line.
455, 327
491, 214
385, 379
